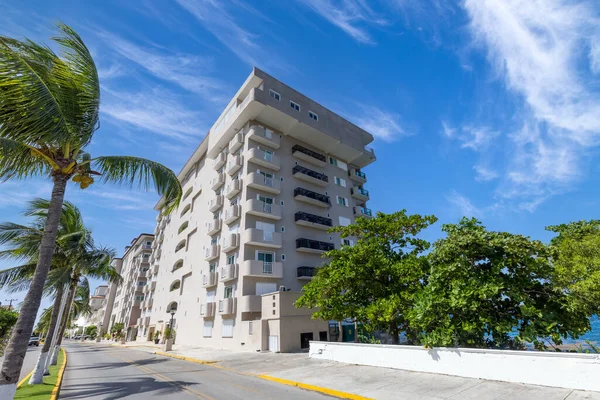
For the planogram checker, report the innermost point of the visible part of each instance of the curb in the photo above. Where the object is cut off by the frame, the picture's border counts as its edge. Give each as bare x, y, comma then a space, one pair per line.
24, 379
305, 386
59, 378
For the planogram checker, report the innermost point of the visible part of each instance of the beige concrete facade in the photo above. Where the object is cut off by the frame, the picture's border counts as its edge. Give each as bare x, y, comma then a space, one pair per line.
273, 174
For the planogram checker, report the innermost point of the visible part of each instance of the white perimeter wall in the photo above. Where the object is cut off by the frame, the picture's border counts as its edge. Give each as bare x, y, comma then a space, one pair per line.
567, 370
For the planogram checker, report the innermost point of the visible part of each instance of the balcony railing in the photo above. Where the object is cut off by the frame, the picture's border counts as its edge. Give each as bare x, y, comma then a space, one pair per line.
315, 219
312, 195
363, 211
309, 172
306, 272
362, 191
314, 245
318, 156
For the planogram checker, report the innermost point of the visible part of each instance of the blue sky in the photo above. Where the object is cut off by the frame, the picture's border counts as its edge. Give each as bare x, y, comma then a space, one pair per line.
485, 108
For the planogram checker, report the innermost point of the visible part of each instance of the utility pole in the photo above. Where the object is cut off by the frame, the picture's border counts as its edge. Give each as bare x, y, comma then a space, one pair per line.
10, 302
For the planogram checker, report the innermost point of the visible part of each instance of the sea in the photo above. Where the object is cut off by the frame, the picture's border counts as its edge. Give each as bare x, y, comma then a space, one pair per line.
593, 335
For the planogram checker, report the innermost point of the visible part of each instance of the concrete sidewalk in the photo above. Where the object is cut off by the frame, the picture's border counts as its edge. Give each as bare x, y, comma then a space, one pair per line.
370, 382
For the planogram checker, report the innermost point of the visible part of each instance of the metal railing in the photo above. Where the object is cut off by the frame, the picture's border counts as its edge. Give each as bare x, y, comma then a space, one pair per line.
359, 173
310, 194
366, 211
311, 173
314, 244
267, 267
306, 272
362, 191
316, 219
309, 152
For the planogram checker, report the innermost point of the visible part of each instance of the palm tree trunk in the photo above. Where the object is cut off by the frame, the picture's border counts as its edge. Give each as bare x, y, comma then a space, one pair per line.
19, 340
67, 314
38, 373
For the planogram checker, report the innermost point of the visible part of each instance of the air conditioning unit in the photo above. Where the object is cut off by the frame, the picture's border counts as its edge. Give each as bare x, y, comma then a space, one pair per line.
282, 288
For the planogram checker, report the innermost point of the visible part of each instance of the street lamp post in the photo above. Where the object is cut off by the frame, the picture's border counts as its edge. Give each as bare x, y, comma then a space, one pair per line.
169, 341
171, 324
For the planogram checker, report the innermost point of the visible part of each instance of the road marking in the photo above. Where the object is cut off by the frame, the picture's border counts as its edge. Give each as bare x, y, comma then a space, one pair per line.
59, 378
24, 379
168, 380
329, 392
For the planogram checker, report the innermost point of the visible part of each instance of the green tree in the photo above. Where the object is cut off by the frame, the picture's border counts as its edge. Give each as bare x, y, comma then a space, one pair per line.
492, 290
49, 108
8, 319
576, 255
376, 279
91, 331
117, 330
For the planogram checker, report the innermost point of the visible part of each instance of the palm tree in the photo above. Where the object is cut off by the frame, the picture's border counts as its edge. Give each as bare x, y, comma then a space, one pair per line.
49, 111
75, 255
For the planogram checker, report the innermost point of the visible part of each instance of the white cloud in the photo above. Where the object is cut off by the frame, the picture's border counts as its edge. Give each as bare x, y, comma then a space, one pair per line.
476, 138
447, 130
156, 111
113, 71
536, 48
15, 194
381, 124
595, 56
484, 174
465, 207
348, 15
185, 70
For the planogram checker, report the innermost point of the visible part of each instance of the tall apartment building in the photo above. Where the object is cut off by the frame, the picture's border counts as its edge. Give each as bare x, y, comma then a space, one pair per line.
97, 305
274, 172
125, 299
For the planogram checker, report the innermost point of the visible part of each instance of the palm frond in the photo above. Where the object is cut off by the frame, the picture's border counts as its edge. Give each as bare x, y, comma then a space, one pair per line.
142, 173
15, 276
16, 159
10, 231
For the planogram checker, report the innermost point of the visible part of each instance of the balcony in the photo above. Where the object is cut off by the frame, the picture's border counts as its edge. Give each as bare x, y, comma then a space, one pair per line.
306, 273
357, 176
234, 164
228, 273
209, 280
265, 159
149, 303
155, 269
236, 142
363, 212
220, 161
262, 209
302, 153
231, 242
233, 188
265, 136
258, 181
308, 175
207, 310
360, 194
261, 269
227, 306
214, 226
313, 246
313, 221
216, 203
250, 303
310, 197
153, 285
218, 181
258, 237
212, 252
232, 214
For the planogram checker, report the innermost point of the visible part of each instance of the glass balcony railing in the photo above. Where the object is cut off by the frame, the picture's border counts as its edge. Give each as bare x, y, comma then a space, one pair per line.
300, 215
365, 211
306, 272
362, 191
310, 194
360, 174
309, 152
314, 244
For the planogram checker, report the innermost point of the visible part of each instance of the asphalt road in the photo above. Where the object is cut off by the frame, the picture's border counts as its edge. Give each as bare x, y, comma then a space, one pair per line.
30, 359
106, 372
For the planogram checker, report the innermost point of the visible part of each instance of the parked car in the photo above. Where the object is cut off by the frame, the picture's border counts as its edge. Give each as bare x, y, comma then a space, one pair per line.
34, 341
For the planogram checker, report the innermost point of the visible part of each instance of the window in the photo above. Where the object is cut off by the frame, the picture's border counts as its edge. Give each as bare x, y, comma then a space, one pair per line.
267, 259
295, 105
344, 221
312, 115
208, 327
212, 267
227, 328
283, 229
265, 287
283, 257
281, 202
228, 292
347, 242
274, 95
339, 181
333, 161
342, 201
231, 259
210, 296
250, 328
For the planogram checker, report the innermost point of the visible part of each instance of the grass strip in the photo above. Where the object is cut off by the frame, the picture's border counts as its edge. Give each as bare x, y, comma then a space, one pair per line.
44, 390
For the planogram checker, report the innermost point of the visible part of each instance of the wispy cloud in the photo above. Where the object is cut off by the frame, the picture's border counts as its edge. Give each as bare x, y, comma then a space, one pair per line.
14, 195
156, 111
112, 71
189, 72
484, 173
351, 16
118, 199
476, 138
217, 19
465, 207
535, 47
384, 125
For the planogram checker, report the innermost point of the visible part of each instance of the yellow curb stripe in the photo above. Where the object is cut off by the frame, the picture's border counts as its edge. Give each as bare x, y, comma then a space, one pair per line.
59, 377
305, 386
24, 379
313, 388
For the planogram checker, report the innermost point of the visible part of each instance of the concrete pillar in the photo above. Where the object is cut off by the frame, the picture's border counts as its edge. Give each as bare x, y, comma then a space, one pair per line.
169, 345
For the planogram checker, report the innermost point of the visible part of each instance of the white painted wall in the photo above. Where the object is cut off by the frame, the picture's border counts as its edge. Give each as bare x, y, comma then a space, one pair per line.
567, 370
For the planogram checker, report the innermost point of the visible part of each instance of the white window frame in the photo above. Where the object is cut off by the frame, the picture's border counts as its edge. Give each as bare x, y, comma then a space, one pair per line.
344, 202
227, 325
333, 161
274, 95
313, 115
339, 181
295, 106
208, 325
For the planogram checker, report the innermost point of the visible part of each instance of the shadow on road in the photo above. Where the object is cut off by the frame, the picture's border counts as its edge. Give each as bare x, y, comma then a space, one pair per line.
120, 364
119, 389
